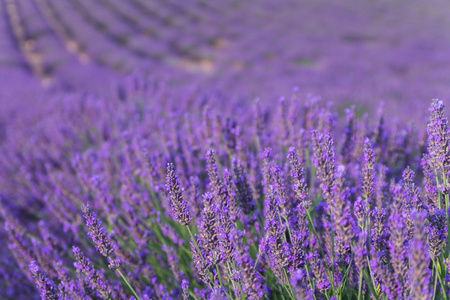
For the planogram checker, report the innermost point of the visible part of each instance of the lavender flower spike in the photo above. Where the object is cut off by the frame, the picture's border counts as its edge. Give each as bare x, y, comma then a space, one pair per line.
298, 176
324, 160
212, 170
177, 203
208, 226
438, 137
369, 172
419, 259
244, 192
46, 287
253, 284
437, 233
84, 265
97, 232
185, 288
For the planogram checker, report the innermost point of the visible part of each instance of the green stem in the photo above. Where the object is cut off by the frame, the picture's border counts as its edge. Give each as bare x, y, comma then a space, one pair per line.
193, 295
218, 274
290, 290
372, 277
439, 194
257, 259
311, 282
448, 222
444, 292
230, 275
332, 249
446, 196
360, 285
435, 284
129, 285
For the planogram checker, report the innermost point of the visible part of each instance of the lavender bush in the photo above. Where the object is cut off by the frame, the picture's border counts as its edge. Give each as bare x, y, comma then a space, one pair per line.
174, 182
107, 200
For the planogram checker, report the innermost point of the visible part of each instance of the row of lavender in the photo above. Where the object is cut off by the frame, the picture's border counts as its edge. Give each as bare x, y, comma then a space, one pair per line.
59, 43
45, 37
155, 196
330, 50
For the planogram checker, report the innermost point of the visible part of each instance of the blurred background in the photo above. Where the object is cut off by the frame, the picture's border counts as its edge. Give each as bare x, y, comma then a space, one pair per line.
348, 52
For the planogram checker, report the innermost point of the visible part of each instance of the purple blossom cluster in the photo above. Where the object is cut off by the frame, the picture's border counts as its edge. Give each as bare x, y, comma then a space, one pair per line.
115, 202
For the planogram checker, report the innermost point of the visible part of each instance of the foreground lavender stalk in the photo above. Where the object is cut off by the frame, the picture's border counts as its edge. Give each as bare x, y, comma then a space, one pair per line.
97, 232
368, 173
324, 160
420, 274
87, 271
46, 287
438, 138
298, 175
253, 285
177, 203
439, 153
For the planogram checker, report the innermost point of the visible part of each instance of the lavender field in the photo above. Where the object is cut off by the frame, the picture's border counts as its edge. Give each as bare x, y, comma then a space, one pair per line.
224, 149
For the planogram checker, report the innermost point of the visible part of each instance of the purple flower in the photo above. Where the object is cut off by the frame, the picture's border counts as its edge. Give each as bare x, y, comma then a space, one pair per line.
68, 285
234, 212
244, 192
217, 186
437, 233
368, 172
419, 260
398, 253
342, 219
45, 286
225, 231
321, 279
85, 267
195, 196
381, 186
212, 170
201, 261
412, 191
177, 203
266, 156
438, 138
349, 134
279, 188
279, 250
380, 234
97, 232
299, 241
208, 224
299, 181
360, 255
185, 288
253, 284
361, 211
324, 160
430, 188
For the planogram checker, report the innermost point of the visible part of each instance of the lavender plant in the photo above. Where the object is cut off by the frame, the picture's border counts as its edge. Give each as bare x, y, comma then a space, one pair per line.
246, 212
